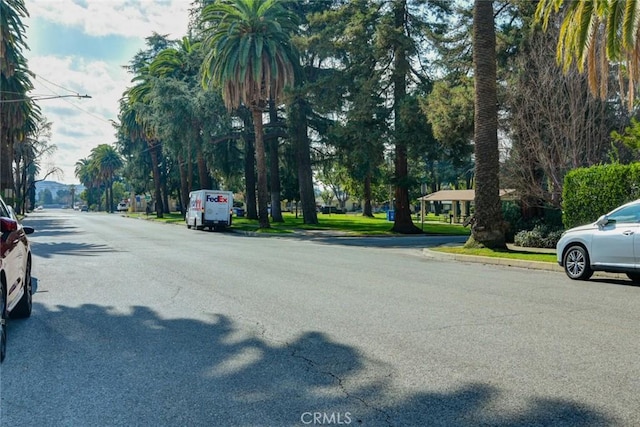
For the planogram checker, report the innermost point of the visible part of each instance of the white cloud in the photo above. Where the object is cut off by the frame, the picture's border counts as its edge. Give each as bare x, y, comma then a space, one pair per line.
117, 17
79, 125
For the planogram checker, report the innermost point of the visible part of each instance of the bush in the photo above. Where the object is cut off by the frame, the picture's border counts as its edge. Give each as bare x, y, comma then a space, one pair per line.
542, 236
591, 192
512, 214
548, 219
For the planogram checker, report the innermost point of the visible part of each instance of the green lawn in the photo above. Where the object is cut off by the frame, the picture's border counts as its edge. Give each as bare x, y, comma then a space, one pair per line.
354, 224
523, 255
358, 225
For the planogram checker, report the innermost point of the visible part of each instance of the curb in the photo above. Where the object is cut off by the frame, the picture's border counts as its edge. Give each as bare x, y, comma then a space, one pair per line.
532, 265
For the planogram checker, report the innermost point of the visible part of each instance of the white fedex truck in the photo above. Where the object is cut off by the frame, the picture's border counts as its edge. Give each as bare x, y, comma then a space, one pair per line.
209, 208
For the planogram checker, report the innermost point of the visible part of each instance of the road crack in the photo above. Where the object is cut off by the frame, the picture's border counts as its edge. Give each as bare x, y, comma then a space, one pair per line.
312, 365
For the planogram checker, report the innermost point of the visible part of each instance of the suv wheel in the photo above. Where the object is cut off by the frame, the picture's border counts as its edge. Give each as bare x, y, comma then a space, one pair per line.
576, 263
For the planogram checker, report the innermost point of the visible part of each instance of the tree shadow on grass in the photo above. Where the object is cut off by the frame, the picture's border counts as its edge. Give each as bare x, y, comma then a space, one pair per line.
94, 366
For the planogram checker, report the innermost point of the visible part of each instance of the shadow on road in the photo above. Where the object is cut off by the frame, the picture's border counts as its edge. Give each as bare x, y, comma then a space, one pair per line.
55, 230
89, 365
329, 238
48, 250
611, 281
50, 227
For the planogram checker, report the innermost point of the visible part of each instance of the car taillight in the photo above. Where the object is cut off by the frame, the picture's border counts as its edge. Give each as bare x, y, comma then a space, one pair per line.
7, 225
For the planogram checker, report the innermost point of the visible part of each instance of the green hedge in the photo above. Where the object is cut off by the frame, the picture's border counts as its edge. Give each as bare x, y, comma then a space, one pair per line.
591, 192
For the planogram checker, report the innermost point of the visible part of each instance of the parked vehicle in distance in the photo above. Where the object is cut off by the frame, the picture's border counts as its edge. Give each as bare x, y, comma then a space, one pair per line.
122, 207
15, 271
84, 208
611, 244
209, 208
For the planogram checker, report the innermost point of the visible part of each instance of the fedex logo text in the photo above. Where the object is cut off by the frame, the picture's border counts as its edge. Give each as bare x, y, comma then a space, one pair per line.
217, 199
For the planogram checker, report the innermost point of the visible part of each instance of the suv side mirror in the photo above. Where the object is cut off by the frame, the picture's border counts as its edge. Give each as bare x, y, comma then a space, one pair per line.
602, 221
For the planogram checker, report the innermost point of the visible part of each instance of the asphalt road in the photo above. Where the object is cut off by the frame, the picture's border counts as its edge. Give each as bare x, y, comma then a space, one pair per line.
138, 323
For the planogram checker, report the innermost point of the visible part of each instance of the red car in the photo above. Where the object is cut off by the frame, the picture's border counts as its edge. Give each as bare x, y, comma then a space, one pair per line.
15, 271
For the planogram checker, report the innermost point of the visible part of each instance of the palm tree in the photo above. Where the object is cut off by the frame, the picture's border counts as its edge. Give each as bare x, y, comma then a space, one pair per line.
249, 55
596, 33
81, 171
16, 109
87, 174
106, 161
29, 153
182, 64
137, 124
489, 228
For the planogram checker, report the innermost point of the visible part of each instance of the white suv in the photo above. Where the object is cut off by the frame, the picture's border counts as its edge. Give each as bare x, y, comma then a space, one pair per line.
612, 244
15, 271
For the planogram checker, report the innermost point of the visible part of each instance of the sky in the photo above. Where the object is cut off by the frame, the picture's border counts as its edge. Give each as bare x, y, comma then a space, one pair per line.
80, 47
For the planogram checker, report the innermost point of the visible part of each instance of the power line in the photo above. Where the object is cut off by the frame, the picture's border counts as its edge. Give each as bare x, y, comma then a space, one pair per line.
77, 95
42, 97
56, 85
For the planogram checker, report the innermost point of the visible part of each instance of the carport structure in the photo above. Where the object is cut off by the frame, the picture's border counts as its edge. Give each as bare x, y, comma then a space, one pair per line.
465, 197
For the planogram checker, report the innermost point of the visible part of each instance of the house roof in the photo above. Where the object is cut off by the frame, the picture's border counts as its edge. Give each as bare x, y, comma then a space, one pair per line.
460, 195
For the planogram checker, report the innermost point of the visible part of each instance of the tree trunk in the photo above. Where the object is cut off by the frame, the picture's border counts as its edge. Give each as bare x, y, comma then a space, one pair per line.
21, 178
6, 158
403, 223
165, 193
367, 211
184, 185
489, 228
249, 169
110, 183
298, 118
261, 164
203, 172
31, 192
189, 169
274, 166
153, 151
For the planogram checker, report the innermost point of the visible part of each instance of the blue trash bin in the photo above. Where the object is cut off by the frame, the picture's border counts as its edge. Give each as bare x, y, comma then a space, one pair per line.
391, 215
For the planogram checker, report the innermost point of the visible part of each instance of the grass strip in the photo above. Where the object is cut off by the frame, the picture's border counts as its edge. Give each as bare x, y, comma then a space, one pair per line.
510, 254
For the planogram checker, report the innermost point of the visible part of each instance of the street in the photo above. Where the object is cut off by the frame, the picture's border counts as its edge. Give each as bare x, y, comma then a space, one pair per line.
141, 323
